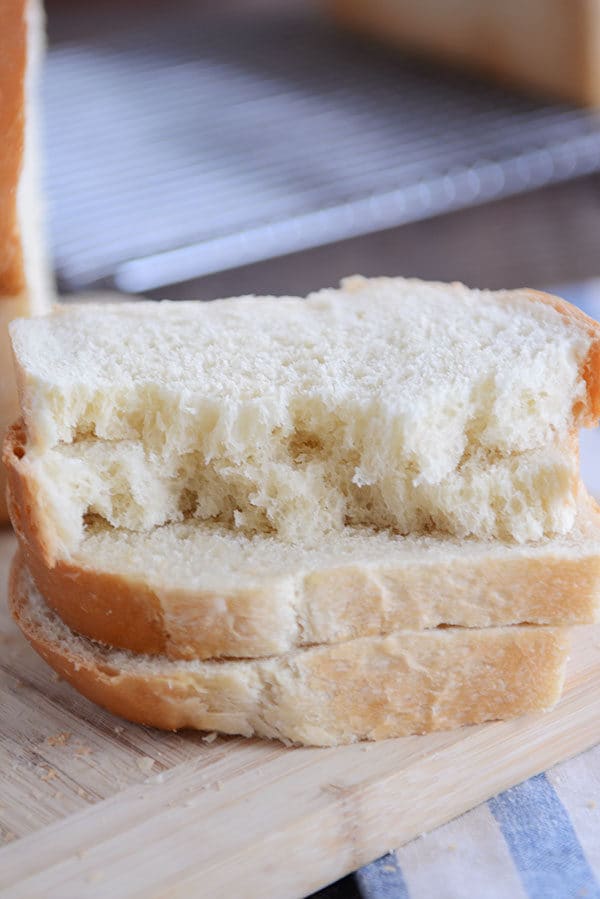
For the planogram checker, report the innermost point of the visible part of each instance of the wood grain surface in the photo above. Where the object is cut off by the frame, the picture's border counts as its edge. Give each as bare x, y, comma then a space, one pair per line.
93, 806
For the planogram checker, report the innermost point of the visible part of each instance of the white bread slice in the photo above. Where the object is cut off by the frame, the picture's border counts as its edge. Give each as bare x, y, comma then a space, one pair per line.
24, 274
389, 403
366, 689
199, 590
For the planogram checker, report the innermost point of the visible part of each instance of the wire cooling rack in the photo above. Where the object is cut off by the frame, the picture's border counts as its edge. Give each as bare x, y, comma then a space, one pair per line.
182, 141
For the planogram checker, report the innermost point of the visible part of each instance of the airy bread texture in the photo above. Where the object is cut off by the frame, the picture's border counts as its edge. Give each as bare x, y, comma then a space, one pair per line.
24, 274
200, 590
387, 404
366, 689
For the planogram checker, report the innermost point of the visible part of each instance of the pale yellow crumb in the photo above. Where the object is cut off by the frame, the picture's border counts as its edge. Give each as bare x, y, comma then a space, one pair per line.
59, 739
83, 750
210, 738
49, 775
145, 763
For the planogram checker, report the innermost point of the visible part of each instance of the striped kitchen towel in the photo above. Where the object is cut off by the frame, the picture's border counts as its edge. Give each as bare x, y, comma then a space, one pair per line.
538, 840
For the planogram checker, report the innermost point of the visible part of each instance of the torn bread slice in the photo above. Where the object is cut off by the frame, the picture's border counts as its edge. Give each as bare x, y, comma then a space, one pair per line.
24, 273
389, 403
366, 689
199, 590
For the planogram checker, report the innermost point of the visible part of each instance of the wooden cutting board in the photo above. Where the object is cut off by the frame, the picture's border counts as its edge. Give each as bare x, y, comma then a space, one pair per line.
92, 806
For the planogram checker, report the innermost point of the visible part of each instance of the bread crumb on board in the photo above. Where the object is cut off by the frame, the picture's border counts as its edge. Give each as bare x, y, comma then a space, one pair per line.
145, 764
83, 750
59, 739
50, 774
210, 738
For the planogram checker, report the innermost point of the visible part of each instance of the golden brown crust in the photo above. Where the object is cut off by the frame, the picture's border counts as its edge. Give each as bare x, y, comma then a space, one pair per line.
13, 62
372, 688
25, 501
588, 415
323, 606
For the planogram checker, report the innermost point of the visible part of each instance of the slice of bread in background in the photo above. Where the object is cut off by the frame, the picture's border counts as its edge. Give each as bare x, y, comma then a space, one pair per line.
389, 403
366, 689
25, 283
547, 47
200, 590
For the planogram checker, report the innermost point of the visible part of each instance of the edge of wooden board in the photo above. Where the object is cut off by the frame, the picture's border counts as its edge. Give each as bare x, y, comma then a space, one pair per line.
286, 822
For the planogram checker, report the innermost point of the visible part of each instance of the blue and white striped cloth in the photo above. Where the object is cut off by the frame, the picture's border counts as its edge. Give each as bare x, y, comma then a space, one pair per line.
538, 840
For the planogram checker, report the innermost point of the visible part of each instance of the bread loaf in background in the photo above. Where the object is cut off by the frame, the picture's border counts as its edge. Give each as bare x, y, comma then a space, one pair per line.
25, 283
546, 47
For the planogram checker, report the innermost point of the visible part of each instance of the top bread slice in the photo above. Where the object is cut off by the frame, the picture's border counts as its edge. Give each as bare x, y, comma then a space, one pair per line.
389, 404
24, 278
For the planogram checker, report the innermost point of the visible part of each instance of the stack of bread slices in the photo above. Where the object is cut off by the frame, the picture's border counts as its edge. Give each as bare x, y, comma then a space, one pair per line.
353, 516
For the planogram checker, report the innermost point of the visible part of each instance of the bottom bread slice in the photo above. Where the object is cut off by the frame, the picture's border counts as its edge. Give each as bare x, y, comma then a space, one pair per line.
369, 688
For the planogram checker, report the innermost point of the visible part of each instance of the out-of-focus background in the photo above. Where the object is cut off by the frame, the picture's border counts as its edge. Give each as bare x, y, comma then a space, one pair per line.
196, 149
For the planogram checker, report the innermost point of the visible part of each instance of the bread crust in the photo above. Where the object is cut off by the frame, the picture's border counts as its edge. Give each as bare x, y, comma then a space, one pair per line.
587, 416
367, 689
318, 606
13, 63
23, 270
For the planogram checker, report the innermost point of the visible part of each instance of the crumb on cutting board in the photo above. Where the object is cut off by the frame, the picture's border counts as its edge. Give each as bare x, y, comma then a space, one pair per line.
145, 764
50, 774
59, 739
83, 750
